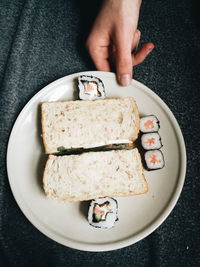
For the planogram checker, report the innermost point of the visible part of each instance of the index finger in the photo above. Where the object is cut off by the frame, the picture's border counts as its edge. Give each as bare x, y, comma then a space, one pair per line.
100, 57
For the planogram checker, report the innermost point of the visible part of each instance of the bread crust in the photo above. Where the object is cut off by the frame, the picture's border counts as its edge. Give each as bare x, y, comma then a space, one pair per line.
137, 119
43, 131
98, 196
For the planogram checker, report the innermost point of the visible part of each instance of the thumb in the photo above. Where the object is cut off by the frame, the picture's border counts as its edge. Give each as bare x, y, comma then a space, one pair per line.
123, 61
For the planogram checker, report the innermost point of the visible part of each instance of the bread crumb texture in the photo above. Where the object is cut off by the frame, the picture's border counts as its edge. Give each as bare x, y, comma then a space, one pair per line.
94, 174
74, 124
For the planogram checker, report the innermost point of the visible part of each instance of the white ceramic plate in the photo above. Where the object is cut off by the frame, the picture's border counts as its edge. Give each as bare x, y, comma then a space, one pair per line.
66, 223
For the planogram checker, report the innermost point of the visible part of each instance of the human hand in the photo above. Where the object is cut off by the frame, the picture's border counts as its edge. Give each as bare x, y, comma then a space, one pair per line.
115, 36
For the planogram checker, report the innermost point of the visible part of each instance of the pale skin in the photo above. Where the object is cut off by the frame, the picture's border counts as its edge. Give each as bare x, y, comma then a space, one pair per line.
115, 37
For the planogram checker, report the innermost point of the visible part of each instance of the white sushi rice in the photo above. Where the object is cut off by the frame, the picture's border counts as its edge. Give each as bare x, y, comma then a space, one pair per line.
111, 216
151, 141
154, 159
95, 83
149, 124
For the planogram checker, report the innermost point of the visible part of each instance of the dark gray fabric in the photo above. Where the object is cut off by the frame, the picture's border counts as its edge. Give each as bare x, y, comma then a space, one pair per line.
41, 41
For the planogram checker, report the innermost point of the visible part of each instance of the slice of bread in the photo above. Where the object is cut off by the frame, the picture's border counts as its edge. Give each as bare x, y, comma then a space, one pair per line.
86, 124
94, 174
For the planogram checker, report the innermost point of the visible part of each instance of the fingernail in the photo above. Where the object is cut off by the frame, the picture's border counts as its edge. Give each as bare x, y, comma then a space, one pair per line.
125, 79
149, 51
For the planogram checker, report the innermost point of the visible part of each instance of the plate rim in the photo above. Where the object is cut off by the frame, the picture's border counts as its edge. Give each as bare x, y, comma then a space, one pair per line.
108, 246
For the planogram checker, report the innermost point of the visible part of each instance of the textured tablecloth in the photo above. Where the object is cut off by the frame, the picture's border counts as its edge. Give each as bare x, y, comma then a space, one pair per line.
43, 40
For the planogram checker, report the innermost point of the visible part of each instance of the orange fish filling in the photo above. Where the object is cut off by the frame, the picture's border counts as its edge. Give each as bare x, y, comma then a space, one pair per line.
101, 210
148, 124
98, 210
90, 87
150, 141
154, 159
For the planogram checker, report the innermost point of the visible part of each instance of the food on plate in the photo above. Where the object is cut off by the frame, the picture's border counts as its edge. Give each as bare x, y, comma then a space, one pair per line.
154, 159
102, 212
87, 124
151, 141
149, 124
93, 154
94, 174
90, 87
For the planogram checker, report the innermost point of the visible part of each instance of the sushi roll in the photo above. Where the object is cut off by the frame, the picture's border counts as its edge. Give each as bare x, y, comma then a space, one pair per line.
102, 212
151, 141
90, 87
154, 159
149, 124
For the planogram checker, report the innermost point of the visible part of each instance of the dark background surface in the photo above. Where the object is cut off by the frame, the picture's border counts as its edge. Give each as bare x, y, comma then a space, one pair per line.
41, 41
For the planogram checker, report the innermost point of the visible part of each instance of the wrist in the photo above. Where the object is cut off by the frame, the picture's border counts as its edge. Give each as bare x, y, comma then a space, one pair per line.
126, 6
117, 2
